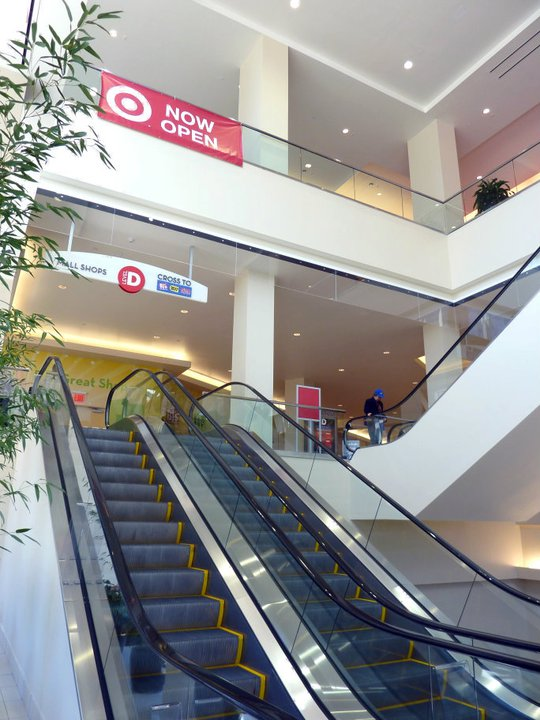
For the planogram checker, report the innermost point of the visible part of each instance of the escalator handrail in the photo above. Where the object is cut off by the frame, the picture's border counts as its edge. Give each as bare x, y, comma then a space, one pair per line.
241, 698
437, 365
403, 511
313, 574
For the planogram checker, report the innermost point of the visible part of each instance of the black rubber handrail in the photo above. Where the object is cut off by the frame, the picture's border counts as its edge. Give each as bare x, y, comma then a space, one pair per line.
460, 339
440, 540
313, 574
244, 700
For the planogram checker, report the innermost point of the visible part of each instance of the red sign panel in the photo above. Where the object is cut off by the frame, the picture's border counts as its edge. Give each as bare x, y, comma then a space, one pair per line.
78, 397
163, 116
131, 279
309, 401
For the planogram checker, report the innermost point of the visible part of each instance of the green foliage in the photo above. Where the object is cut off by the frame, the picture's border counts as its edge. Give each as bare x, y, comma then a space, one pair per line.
489, 193
42, 94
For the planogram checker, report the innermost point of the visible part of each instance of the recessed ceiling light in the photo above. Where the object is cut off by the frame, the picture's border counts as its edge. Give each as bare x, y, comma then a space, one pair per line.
307, 166
62, 287
478, 177
184, 312
408, 64
113, 33
231, 294
379, 194
340, 405
337, 160
415, 383
341, 369
486, 111
296, 334
386, 352
295, 4
157, 337
345, 131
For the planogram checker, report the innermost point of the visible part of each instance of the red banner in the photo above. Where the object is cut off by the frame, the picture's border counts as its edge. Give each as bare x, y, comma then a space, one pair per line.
308, 400
162, 116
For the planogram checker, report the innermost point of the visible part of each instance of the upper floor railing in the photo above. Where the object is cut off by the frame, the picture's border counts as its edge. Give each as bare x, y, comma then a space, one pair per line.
281, 156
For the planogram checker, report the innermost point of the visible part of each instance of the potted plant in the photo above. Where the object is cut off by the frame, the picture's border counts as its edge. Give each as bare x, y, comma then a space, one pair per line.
489, 193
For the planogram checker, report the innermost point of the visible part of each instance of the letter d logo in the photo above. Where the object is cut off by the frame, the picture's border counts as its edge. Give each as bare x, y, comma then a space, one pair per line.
131, 279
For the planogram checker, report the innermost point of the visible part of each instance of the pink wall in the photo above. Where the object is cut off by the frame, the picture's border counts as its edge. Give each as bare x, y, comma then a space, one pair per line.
501, 147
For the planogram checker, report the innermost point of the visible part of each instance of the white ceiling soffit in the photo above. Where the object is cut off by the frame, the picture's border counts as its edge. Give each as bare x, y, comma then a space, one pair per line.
447, 40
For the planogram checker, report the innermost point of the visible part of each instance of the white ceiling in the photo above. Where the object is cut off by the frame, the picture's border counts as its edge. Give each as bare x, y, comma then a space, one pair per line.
345, 65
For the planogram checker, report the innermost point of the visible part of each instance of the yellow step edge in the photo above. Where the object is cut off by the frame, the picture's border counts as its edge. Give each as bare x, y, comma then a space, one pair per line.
169, 511
436, 698
317, 546
159, 492
191, 554
221, 612
178, 533
383, 613
137, 447
299, 527
131, 435
284, 509
411, 650
481, 710
390, 662
260, 675
335, 571
240, 649
144, 460
205, 578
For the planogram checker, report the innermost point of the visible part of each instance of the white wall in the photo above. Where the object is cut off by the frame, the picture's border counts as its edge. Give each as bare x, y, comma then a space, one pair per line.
475, 454
32, 619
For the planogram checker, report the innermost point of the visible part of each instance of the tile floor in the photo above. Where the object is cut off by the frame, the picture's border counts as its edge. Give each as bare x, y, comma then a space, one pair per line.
11, 707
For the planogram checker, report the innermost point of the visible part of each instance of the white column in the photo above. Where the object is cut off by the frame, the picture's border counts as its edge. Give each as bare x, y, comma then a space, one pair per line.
263, 103
253, 331
437, 340
434, 170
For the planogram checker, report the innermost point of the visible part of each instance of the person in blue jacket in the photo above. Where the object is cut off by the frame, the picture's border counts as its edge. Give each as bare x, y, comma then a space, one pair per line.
373, 410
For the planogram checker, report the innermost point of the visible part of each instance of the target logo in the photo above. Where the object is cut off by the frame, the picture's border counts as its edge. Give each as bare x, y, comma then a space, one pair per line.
128, 103
131, 279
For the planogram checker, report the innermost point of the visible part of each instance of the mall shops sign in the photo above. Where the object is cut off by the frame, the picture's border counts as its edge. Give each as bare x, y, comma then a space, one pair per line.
162, 116
132, 277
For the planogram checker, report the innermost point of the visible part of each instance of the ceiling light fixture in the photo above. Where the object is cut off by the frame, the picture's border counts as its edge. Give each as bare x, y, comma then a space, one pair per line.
113, 33
184, 312
62, 287
341, 369
345, 131
307, 166
157, 337
379, 194
231, 294
386, 352
478, 177
295, 4
486, 111
408, 64
296, 334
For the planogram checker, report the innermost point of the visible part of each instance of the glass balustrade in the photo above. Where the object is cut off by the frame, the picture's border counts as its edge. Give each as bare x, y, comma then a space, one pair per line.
334, 176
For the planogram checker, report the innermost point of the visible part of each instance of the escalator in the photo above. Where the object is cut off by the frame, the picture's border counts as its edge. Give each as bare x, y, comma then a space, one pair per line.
483, 427
395, 664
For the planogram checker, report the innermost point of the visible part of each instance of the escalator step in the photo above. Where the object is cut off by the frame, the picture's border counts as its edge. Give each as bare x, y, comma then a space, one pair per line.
369, 646
147, 532
130, 491
118, 459
164, 583
209, 648
156, 556
124, 475
106, 433
183, 613
105, 445
396, 683
137, 510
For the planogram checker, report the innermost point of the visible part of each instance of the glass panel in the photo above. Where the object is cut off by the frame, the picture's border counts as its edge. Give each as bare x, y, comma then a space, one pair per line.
327, 174
527, 168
